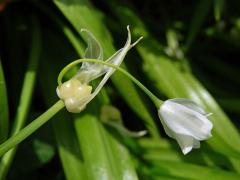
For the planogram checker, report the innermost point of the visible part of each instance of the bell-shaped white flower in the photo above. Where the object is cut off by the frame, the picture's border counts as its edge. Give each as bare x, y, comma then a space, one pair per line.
76, 92
186, 122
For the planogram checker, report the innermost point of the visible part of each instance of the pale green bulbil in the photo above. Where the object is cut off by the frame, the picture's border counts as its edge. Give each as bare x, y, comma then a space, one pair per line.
74, 94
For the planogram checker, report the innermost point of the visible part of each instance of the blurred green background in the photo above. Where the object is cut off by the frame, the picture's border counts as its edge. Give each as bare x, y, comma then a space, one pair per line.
190, 50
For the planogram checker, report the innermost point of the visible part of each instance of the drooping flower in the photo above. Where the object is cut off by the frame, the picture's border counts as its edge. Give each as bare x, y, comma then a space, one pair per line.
76, 92
186, 122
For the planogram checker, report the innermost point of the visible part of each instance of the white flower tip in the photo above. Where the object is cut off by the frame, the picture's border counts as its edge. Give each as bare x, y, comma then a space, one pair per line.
187, 149
129, 37
128, 43
137, 41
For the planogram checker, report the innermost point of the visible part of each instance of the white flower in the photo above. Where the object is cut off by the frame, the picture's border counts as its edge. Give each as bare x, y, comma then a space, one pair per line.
76, 92
186, 122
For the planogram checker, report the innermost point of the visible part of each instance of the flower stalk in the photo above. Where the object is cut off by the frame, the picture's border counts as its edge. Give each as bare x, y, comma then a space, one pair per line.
32, 127
153, 97
37, 123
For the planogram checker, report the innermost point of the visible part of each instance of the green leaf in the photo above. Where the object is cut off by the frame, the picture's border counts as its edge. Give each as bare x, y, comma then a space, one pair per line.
188, 171
3, 107
169, 151
44, 151
104, 157
218, 8
26, 93
77, 45
198, 18
68, 147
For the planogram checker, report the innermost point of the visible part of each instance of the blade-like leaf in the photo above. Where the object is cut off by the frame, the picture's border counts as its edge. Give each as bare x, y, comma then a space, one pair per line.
3, 107
218, 8
198, 18
188, 171
169, 151
104, 157
26, 93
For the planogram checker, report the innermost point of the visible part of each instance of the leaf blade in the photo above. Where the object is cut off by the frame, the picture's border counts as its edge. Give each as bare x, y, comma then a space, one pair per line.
4, 121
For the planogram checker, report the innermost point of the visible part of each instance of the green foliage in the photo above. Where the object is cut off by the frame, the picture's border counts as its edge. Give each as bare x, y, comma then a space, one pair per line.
185, 53
3, 107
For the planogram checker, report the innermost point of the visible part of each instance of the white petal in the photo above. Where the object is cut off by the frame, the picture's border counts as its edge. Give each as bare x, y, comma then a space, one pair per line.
185, 142
186, 150
189, 103
168, 131
183, 120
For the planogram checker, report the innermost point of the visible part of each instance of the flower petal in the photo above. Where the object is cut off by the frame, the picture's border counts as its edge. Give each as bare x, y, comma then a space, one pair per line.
183, 120
185, 142
190, 104
168, 131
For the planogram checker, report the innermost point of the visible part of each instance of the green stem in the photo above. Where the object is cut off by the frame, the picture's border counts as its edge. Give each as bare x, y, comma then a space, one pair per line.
32, 127
154, 98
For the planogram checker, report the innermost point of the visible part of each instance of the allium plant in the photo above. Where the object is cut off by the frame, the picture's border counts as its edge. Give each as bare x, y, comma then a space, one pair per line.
182, 119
